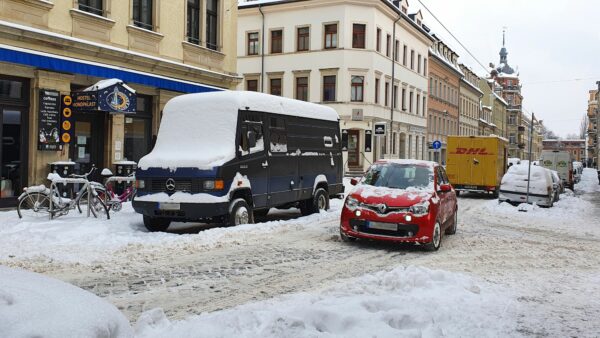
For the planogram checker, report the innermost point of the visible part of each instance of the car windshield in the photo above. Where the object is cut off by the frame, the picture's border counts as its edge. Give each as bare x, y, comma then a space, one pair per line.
399, 176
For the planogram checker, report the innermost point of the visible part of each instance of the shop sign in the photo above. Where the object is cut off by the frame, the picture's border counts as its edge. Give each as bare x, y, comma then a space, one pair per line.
49, 120
344, 139
112, 99
380, 128
357, 114
66, 124
368, 141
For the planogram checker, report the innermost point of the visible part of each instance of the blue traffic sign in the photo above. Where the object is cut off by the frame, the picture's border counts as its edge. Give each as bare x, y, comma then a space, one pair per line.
436, 145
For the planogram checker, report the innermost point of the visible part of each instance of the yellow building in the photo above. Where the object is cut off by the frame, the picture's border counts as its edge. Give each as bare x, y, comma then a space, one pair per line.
48, 48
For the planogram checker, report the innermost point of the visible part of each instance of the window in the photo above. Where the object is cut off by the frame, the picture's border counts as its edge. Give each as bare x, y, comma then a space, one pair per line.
358, 35
395, 97
251, 125
276, 41
253, 43
138, 130
387, 94
404, 56
303, 40
419, 63
11, 90
357, 87
512, 138
331, 36
193, 21
412, 59
92, 6
376, 91
378, 40
329, 88
277, 135
418, 104
404, 99
410, 102
396, 51
388, 45
142, 14
302, 88
394, 138
275, 87
252, 85
410, 138
212, 22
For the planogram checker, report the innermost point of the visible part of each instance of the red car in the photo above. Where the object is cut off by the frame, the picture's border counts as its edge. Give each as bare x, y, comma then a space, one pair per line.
401, 201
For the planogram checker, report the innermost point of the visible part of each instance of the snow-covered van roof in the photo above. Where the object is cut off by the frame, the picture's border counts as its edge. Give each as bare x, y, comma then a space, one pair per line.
198, 130
423, 163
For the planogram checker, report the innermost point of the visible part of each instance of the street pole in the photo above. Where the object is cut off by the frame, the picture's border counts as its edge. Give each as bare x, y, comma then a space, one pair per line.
530, 141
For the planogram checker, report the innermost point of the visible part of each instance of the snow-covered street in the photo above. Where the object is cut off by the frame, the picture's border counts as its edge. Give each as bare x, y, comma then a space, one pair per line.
505, 272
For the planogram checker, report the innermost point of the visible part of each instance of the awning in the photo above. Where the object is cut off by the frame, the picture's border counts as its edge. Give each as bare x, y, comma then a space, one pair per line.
65, 64
110, 95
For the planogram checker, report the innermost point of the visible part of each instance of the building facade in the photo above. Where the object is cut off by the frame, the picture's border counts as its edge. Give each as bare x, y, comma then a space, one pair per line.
470, 103
493, 121
444, 88
592, 129
367, 60
575, 147
157, 49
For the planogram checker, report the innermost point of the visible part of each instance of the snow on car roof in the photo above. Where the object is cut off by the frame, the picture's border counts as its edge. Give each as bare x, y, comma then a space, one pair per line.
409, 162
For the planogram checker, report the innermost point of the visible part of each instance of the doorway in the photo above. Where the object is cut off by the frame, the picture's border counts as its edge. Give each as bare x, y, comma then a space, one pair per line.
87, 147
353, 148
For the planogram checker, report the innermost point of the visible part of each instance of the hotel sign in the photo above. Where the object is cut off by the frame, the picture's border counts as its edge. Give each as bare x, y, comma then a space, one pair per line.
113, 99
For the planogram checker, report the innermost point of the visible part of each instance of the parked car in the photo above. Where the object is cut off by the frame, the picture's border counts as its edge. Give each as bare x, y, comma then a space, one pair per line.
557, 185
577, 171
514, 186
226, 156
401, 201
560, 161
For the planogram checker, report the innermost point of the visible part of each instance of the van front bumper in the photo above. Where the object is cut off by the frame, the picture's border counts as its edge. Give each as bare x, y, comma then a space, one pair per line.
182, 211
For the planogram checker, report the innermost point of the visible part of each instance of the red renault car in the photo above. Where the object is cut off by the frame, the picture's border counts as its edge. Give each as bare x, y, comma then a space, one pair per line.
401, 201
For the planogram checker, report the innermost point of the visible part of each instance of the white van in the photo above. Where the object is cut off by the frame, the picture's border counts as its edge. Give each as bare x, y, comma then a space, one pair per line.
561, 162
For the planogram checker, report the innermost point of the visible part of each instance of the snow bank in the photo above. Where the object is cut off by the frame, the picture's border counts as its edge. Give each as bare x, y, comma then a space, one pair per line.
32, 305
404, 302
199, 130
589, 181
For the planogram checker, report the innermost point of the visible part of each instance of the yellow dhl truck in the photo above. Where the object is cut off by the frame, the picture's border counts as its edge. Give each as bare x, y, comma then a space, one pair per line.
477, 163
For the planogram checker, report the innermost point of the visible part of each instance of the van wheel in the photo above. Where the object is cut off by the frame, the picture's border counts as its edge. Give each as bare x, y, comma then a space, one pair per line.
320, 201
436, 238
240, 213
496, 193
154, 224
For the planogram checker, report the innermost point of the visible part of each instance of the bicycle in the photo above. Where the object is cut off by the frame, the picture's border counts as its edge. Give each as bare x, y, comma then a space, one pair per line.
39, 201
113, 200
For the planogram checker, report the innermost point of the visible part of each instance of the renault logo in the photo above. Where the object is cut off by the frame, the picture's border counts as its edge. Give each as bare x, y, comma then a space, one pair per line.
170, 185
382, 208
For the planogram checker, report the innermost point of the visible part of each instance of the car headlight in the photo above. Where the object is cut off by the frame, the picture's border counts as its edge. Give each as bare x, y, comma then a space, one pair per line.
351, 202
420, 209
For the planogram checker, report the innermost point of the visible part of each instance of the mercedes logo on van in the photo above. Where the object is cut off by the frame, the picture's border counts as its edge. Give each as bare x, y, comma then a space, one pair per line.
382, 208
170, 185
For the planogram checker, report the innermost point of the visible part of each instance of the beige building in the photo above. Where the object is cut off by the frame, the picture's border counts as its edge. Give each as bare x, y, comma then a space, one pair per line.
494, 109
367, 60
49, 48
592, 129
470, 103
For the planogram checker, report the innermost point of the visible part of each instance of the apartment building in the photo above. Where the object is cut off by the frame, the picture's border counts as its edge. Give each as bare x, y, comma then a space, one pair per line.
154, 50
470, 103
368, 60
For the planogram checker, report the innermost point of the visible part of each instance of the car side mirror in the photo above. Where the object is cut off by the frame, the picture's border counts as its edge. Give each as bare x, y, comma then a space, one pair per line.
251, 139
354, 181
445, 188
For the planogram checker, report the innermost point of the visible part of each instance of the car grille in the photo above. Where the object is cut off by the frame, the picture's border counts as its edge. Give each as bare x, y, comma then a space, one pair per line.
375, 208
159, 185
403, 229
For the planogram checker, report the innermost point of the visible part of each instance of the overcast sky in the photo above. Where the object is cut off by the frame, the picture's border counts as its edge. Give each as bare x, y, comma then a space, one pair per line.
549, 41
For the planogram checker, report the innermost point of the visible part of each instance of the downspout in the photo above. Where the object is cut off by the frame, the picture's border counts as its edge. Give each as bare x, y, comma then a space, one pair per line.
394, 56
262, 51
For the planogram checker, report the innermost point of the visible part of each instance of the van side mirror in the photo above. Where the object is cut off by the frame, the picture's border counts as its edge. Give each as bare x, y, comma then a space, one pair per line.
251, 140
354, 181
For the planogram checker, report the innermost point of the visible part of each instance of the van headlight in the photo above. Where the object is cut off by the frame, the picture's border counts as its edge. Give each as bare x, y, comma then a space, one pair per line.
351, 202
420, 209
213, 185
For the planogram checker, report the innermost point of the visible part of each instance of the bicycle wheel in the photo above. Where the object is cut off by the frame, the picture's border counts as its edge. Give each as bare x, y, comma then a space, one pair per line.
98, 207
34, 204
84, 198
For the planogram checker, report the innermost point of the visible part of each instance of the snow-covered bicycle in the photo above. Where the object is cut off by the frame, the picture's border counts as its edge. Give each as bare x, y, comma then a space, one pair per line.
40, 201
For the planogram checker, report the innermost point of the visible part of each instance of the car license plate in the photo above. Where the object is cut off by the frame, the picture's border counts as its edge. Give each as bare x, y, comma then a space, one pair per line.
168, 206
470, 187
383, 226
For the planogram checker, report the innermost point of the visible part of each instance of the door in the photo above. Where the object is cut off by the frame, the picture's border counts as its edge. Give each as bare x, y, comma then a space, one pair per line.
13, 154
252, 158
284, 182
87, 146
353, 148
445, 208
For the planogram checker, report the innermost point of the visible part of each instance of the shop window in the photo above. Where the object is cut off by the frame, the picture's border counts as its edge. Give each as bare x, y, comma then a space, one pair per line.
193, 21
212, 24
138, 130
10, 89
92, 6
142, 14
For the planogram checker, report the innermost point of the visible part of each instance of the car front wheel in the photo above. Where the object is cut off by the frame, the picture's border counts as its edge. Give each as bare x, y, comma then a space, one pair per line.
436, 238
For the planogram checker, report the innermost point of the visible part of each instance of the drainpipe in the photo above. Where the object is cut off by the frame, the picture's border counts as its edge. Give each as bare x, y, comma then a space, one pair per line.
393, 45
262, 51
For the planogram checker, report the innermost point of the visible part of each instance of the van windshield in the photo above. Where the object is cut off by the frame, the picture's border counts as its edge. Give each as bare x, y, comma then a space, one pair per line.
399, 176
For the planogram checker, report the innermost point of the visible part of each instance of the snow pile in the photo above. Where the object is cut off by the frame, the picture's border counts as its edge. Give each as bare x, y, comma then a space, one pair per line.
32, 305
199, 130
589, 181
404, 302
